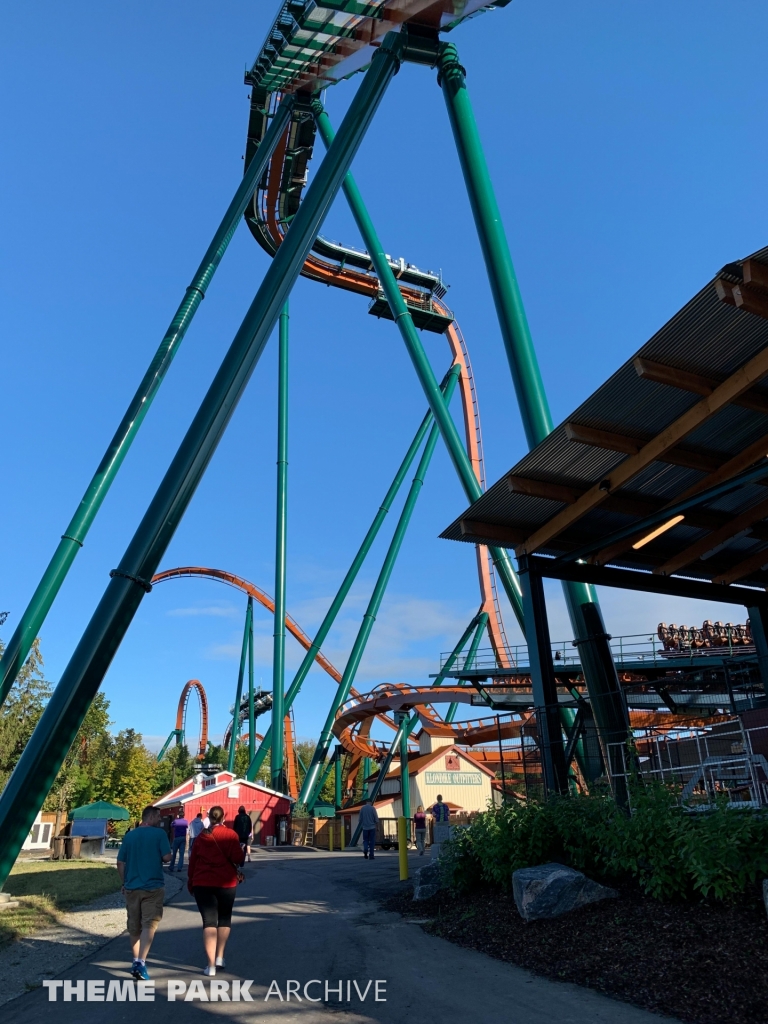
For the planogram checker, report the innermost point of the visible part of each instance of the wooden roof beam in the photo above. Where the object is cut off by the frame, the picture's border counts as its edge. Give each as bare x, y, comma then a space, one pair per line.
507, 536
703, 518
751, 294
716, 539
625, 504
695, 382
731, 388
744, 568
550, 490
612, 441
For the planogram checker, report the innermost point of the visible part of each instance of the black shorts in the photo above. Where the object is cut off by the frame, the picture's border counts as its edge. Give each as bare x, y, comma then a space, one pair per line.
215, 904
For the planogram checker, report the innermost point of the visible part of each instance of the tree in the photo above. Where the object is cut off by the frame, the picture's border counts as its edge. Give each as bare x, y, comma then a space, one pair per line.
134, 772
176, 766
86, 773
22, 709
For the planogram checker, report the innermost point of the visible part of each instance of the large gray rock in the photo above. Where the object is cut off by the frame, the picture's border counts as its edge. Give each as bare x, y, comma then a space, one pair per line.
428, 874
426, 882
550, 890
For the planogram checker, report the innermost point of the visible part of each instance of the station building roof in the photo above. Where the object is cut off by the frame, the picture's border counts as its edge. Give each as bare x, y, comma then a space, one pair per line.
664, 467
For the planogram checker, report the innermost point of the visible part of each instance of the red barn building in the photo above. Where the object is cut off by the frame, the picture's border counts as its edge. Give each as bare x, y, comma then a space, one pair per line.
266, 807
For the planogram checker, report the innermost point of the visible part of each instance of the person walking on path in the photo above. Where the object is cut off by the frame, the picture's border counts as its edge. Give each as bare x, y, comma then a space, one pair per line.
369, 819
196, 826
140, 861
179, 827
420, 826
244, 827
441, 812
212, 879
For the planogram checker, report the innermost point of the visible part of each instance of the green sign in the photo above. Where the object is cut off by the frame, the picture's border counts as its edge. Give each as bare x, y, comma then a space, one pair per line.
453, 778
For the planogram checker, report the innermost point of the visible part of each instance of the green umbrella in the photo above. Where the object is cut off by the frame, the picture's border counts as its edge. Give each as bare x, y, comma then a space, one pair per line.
101, 809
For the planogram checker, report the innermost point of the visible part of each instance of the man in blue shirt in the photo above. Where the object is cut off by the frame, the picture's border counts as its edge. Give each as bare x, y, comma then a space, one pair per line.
140, 861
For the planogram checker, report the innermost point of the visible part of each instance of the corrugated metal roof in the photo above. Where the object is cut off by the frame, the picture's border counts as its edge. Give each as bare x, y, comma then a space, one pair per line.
707, 337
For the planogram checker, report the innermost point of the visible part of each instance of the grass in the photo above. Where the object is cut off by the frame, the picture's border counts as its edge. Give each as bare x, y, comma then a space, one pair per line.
46, 889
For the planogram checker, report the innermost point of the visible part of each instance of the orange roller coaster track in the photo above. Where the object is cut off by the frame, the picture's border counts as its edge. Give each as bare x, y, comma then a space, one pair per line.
246, 587
179, 732
258, 595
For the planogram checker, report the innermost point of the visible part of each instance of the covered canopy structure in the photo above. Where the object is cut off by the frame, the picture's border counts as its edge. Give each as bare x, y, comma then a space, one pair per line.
657, 482
101, 810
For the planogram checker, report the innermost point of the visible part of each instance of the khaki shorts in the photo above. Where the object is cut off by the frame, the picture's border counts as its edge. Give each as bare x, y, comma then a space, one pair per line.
145, 909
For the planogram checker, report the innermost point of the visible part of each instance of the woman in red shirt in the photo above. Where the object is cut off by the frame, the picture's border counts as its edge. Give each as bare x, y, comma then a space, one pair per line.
212, 880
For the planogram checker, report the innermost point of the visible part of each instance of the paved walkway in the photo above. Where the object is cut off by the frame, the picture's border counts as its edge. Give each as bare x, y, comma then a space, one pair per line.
302, 916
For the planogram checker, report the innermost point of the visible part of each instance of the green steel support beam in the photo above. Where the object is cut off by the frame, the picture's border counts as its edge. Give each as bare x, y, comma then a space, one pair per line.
366, 773
74, 536
239, 690
403, 730
308, 790
405, 781
278, 657
349, 579
581, 599
251, 703
421, 363
481, 626
513, 322
338, 755
176, 734
407, 727
44, 754
326, 772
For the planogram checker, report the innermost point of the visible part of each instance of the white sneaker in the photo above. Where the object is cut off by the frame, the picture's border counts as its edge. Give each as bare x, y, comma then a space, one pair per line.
210, 972
220, 961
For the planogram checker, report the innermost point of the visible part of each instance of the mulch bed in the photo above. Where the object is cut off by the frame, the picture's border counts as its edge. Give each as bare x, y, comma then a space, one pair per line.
702, 962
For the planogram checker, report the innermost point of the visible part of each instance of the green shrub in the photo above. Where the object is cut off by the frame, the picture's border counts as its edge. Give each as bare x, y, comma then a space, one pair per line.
668, 852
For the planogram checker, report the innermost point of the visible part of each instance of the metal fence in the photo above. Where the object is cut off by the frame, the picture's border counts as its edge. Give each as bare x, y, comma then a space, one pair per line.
638, 647
725, 761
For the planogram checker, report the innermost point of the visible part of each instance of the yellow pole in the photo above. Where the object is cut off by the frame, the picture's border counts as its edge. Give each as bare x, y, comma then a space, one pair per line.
330, 835
402, 847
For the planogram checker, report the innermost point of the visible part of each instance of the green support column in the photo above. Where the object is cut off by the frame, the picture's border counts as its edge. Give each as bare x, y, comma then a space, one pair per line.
327, 769
251, 704
349, 579
586, 619
239, 690
278, 658
44, 754
338, 755
469, 661
309, 789
366, 773
405, 782
513, 322
74, 536
421, 363
383, 769
407, 727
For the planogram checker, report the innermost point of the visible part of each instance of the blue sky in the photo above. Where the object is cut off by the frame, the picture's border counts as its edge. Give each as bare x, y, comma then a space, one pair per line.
625, 142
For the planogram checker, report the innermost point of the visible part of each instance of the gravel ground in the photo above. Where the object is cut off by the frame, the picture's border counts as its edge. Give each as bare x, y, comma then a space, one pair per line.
28, 961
